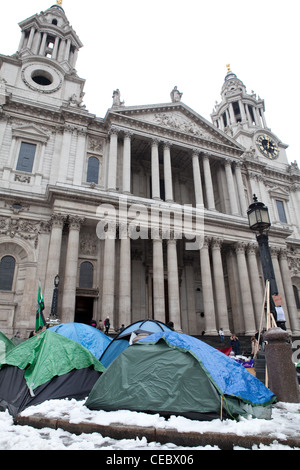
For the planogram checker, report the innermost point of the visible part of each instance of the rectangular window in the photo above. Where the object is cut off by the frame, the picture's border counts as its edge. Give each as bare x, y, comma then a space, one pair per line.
26, 157
281, 211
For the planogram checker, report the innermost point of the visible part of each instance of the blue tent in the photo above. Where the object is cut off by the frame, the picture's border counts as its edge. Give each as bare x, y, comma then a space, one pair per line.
122, 340
88, 336
173, 373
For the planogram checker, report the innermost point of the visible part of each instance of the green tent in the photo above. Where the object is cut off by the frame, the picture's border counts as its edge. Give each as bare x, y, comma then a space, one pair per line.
44, 367
172, 373
6, 345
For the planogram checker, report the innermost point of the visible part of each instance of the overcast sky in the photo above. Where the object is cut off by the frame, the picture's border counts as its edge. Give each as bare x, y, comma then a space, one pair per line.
146, 48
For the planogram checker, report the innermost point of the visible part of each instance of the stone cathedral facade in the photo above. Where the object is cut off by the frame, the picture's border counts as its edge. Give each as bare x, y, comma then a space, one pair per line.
142, 213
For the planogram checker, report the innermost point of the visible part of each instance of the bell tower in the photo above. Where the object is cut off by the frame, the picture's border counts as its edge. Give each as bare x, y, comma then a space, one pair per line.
238, 109
50, 35
43, 68
242, 116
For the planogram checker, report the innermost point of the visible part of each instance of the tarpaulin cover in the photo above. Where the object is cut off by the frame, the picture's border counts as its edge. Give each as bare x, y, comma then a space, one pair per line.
47, 355
230, 377
173, 373
88, 336
5, 346
121, 341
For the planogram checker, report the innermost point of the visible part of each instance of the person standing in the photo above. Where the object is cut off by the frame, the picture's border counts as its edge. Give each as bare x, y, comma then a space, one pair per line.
106, 325
221, 335
235, 343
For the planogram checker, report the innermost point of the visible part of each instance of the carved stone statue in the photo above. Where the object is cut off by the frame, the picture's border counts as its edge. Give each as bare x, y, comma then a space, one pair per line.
117, 98
175, 95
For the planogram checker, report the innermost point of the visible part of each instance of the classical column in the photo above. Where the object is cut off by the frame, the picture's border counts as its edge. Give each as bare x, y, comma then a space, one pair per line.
31, 37
256, 287
158, 280
53, 260
245, 289
168, 173
197, 178
231, 113
126, 186
289, 293
243, 112
125, 279
55, 48
155, 170
173, 284
240, 187
80, 157
231, 187
70, 279
43, 44
65, 154
208, 184
220, 293
108, 286
67, 49
112, 160
207, 289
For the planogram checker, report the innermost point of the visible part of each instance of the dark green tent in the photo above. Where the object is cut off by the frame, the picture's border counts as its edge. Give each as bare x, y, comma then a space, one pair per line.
44, 367
172, 373
6, 345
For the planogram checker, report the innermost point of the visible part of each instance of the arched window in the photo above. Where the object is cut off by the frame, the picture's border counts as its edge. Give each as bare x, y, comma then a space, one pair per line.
296, 294
86, 275
92, 174
7, 271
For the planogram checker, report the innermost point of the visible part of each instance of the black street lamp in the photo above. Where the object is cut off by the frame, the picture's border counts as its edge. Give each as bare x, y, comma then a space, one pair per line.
53, 313
282, 377
259, 222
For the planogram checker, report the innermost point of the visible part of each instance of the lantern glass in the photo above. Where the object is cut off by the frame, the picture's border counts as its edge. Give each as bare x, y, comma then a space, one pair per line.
258, 216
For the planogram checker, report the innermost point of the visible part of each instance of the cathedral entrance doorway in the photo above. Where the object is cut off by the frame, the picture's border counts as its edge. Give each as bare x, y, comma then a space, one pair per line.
84, 309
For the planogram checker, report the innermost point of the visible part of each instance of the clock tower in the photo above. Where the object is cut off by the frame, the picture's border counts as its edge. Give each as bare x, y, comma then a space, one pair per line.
242, 116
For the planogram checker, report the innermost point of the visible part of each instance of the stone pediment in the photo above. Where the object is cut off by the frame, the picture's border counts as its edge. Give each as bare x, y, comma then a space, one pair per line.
30, 131
177, 117
278, 192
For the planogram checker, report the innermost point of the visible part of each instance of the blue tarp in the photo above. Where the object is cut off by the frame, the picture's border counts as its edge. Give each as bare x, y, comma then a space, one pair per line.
88, 336
121, 341
230, 377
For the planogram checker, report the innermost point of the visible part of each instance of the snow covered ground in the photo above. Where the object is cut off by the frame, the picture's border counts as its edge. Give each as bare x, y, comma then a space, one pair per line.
285, 423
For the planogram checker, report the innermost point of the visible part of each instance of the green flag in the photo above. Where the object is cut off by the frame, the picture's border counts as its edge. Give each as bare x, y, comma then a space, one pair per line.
39, 318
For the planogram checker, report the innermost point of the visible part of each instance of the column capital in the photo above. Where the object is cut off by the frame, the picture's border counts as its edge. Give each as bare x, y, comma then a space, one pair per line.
114, 130
196, 152
167, 144
75, 222
228, 161
128, 134
252, 249
275, 251
155, 142
283, 253
216, 243
240, 247
58, 220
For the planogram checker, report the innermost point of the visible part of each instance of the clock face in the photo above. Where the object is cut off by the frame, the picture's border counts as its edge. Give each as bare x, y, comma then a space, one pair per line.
267, 146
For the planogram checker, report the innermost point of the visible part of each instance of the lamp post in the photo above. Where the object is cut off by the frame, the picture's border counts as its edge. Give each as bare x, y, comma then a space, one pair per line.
54, 310
281, 377
259, 222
